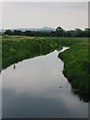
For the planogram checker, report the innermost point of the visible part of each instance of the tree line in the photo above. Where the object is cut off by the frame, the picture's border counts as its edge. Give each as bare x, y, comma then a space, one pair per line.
59, 32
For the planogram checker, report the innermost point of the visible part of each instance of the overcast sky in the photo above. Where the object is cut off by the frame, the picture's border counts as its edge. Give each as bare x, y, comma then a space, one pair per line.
68, 15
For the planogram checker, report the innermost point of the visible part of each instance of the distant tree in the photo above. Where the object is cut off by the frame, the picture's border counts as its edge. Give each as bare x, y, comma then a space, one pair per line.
71, 33
87, 32
59, 32
53, 34
27, 33
17, 32
8, 32
78, 33
65, 33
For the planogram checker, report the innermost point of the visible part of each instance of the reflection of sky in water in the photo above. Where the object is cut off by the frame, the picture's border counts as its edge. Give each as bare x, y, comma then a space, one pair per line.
32, 89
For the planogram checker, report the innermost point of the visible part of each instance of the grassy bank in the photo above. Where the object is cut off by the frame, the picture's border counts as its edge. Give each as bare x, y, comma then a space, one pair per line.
76, 67
17, 48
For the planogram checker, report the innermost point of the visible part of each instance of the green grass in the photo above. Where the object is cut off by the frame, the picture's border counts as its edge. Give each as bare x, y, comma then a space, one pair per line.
17, 48
76, 67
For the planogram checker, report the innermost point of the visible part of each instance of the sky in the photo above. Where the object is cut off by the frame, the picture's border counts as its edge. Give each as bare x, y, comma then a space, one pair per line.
68, 15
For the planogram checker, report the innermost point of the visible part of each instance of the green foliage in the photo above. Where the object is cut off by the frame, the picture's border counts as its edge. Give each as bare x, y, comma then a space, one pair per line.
17, 48
76, 66
59, 32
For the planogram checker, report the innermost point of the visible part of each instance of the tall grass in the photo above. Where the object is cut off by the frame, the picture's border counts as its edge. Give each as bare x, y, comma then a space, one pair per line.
17, 48
76, 67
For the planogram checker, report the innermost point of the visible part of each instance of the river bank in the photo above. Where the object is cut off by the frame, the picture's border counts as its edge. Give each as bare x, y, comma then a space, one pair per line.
20, 48
76, 69
75, 58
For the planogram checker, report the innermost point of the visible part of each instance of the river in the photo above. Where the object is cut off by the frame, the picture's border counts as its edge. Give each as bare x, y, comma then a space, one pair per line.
37, 88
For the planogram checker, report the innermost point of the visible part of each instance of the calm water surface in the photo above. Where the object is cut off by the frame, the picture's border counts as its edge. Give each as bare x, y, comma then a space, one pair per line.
37, 88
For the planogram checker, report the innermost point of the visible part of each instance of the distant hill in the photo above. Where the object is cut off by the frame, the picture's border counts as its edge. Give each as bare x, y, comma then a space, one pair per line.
37, 29
32, 29
2, 30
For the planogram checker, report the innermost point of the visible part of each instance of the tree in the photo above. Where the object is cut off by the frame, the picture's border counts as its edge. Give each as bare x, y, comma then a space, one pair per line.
78, 32
17, 32
8, 32
59, 32
87, 32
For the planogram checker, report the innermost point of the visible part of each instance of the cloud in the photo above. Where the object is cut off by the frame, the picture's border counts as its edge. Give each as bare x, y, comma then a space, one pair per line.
68, 15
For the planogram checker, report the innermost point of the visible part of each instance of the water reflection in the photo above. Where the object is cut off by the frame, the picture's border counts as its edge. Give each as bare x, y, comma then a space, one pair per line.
37, 88
36, 107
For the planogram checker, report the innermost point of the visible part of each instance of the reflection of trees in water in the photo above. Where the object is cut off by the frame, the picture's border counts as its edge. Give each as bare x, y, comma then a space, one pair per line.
81, 96
14, 66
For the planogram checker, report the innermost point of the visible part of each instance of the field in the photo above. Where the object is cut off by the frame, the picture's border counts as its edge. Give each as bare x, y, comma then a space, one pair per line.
17, 48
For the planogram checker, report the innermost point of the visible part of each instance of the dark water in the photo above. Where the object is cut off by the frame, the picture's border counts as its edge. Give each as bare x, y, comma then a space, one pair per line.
37, 88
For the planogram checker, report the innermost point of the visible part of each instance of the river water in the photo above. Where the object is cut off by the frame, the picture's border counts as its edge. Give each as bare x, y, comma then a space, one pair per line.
37, 88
